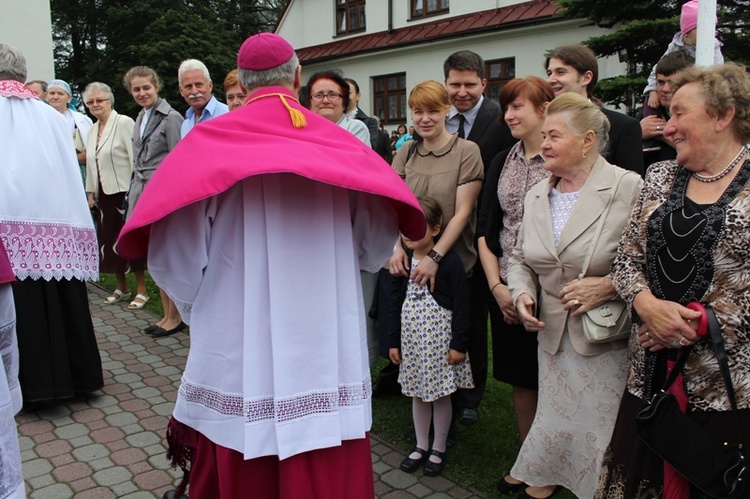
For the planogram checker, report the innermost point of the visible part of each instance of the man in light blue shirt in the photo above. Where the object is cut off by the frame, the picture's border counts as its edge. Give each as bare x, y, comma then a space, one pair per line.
196, 88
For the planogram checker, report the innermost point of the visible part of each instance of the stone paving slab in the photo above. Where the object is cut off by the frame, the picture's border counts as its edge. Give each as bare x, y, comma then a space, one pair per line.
111, 444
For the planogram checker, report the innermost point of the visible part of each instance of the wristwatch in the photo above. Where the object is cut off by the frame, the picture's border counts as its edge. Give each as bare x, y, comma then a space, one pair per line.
436, 257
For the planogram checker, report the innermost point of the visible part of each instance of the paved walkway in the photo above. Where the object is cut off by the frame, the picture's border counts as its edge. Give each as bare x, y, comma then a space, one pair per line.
112, 445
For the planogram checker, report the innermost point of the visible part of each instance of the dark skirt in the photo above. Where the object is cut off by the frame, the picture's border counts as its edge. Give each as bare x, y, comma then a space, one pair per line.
59, 356
514, 352
109, 223
631, 470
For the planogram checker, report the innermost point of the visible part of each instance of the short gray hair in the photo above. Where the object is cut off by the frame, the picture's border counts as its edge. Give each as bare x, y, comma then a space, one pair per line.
97, 86
12, 64
192, 65
280, 75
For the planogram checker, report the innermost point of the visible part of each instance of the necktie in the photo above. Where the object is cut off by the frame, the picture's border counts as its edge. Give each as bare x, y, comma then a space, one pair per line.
461, 121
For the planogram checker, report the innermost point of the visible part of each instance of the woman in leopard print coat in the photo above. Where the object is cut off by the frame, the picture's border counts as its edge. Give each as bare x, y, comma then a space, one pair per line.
688, 240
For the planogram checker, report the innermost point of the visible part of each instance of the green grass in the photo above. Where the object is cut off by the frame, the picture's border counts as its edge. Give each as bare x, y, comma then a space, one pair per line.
484, 453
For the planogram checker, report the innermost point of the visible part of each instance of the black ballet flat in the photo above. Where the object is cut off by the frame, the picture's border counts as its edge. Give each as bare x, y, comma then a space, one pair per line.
434, 469
160, 332
506, 488
150, 329
410, 465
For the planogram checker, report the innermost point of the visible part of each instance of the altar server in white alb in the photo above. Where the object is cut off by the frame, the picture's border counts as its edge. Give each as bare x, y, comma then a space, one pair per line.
259, 223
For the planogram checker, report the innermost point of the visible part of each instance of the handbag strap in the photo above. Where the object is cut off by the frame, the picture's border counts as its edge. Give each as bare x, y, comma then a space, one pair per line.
717, 342
599, 228
721, 355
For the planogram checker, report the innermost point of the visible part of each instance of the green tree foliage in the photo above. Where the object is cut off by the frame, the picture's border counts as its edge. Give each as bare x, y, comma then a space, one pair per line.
99, 40
643, 30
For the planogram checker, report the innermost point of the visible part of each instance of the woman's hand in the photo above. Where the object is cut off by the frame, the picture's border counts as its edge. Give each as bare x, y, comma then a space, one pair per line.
587, 294
455, 357
666, 324
395, 356
425, 271
525, 308
92, 203
504, 300
399, 262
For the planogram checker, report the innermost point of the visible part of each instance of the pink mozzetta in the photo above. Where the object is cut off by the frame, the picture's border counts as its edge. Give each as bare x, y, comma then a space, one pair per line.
260, 139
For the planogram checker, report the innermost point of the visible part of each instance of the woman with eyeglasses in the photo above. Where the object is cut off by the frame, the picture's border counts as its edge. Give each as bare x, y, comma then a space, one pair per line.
329, 97
109, 163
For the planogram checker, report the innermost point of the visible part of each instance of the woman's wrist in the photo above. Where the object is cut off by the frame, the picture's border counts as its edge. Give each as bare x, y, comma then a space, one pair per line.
492, 288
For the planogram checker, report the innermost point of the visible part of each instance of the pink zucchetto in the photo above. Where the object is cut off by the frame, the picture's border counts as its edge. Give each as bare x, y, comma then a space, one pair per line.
264, 51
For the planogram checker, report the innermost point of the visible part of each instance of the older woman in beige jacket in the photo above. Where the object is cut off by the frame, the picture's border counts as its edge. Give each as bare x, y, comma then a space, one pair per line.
109, 165
580, 384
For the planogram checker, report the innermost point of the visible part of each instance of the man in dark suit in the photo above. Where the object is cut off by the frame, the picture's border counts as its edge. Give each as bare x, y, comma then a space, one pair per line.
478, 119
574, 68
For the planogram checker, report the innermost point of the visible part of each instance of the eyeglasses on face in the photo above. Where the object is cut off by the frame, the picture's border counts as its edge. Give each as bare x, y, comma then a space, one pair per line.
91, 102
332, 96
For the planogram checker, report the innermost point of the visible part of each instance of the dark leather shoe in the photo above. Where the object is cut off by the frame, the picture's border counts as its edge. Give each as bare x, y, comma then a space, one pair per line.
434, 469
160, 332
468, 416
410, 465
507, 488
524, 495
150, 329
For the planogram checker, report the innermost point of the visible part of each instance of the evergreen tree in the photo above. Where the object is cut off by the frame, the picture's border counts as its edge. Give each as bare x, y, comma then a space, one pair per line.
643, 30
99, 40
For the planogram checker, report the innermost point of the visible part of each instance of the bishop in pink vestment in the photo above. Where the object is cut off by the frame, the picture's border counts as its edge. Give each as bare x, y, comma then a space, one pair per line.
257, 226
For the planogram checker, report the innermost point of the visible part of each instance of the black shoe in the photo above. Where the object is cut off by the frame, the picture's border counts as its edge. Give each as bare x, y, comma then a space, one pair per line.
468, 416
507, 488
431, 468
410, 465
172, 494
160, 332
524, 495
150, 329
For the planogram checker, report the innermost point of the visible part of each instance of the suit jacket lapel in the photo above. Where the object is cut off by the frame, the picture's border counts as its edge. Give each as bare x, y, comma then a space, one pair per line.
484, 115
542, 219
590, 205
107, 132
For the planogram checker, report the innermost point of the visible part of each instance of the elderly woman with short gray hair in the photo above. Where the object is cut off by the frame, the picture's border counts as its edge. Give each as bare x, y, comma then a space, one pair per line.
109, 164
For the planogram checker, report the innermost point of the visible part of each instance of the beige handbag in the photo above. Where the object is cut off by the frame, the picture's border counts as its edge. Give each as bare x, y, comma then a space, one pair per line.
610, 321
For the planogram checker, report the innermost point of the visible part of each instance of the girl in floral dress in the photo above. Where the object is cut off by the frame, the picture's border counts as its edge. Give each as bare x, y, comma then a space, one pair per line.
429, 327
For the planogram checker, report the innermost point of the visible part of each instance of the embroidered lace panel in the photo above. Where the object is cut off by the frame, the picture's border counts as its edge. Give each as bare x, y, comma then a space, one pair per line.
11, 88
281, 410
50, 250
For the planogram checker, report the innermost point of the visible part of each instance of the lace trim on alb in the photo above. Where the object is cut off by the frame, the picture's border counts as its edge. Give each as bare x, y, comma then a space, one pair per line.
50, 250
184, 308
281, 410
12, 88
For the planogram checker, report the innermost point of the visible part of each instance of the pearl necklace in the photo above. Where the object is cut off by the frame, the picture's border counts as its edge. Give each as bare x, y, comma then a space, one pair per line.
722, 173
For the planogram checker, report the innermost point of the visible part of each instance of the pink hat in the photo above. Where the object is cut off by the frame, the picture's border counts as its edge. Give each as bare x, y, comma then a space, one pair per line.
264, 51
689, 17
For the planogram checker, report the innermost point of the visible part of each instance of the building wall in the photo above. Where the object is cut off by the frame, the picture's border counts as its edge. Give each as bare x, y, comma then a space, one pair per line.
307, 23
27, 25
527, 45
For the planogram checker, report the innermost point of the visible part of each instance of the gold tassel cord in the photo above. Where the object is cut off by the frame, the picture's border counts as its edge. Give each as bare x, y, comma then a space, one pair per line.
298, 119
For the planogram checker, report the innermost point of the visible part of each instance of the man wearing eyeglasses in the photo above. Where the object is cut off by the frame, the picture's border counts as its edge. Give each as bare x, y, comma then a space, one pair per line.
196, 88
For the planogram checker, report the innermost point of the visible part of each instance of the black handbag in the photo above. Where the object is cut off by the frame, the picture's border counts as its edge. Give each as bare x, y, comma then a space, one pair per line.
713, 466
